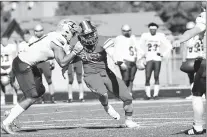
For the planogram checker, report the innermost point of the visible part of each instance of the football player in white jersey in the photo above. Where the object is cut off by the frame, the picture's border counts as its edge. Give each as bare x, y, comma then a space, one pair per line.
199, 86
156, 46
191, 51
125, 55
8, 53
45, 67
51, 46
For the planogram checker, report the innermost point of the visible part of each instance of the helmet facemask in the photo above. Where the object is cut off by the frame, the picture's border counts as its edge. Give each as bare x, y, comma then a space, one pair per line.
88, 37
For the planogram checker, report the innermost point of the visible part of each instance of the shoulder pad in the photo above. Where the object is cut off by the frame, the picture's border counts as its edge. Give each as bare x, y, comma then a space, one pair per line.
59, 40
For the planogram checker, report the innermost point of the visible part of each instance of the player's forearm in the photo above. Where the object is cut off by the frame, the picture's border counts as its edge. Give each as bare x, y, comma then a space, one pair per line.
67, 59
189, 34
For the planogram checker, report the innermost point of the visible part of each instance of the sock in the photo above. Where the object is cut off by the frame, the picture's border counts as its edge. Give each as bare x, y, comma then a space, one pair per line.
156, 90
14, 99
147, 90
3, 100
51, 89
15, 112
81, 94
191, 86
70, 92
198, 108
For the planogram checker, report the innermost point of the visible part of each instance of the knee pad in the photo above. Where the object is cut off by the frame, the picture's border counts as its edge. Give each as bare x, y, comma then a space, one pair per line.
157, 81
104, 99
36, 92
70, 81
79, 78
128, 107
49, 80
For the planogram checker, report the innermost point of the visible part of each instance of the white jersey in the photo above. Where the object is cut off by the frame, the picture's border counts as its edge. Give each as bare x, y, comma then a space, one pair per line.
194, 47
153, 44
23, 46
40, 50
125, 48
8, 53
201, 23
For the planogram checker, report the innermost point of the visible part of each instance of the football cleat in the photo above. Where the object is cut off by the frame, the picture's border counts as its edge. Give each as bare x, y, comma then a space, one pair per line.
7, 129
131, 124
111, 112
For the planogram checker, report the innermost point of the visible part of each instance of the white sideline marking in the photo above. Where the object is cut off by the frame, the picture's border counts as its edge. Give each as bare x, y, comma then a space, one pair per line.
143, 107
101, 119
98, 103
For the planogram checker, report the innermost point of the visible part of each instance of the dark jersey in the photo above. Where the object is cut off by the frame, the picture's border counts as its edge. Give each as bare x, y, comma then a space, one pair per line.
96, 61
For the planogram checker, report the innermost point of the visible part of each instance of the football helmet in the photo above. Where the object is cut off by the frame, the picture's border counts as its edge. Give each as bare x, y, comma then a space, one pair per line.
39, 31
68, 28
126, 30
88, 36
141, 63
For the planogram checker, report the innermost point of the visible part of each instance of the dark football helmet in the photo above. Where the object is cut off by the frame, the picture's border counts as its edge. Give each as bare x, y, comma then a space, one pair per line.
88, 36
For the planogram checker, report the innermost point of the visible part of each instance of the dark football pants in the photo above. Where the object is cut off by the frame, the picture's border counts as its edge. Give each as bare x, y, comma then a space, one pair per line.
152, 66
29, 78
199, 87
103, 82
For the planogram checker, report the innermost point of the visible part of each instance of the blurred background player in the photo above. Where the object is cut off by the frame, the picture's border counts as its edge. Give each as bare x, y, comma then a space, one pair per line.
22, 47
125, 55
76, 68
45, 67
155, 46
199, 86
8, 53
191, 51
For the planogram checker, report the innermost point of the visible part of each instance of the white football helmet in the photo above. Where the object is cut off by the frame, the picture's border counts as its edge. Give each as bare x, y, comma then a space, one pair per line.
68, 28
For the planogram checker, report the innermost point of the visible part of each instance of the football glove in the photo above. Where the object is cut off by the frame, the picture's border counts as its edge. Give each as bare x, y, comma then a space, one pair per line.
77, 48
141, 63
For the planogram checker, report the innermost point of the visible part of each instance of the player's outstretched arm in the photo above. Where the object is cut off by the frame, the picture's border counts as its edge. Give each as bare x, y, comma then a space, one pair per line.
60, 55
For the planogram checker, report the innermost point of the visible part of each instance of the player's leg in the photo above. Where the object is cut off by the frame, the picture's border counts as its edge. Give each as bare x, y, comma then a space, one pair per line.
191, 79
40, 66
132, 74
120, 90
78, 67
30, 82
95, 83
157, 67
48, 76
70, 82
3, 91
148, 73
14, 87
125, 73
199, 88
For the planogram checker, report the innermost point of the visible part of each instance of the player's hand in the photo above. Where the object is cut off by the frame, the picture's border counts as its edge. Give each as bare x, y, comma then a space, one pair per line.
159, 54
123, 66
77, 48
52, 65
176, 44
64, 69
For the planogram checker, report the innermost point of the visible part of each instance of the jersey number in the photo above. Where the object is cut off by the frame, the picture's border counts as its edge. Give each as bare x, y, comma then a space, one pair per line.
131, 51
4, 58
152, 47
197, 48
